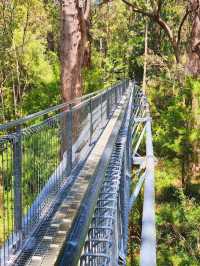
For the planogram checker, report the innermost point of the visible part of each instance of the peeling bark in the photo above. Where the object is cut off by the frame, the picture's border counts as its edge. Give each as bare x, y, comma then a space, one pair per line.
193, 69
195, 164
74, 46
74, 54
193, 66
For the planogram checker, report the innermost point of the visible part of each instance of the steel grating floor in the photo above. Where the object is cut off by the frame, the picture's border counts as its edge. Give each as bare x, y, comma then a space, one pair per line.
98, 246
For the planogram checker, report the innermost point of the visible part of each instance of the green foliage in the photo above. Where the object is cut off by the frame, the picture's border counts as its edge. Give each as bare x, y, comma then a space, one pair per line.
177, 219
111, 40
169, 121
93, 77
29, 71
44, 80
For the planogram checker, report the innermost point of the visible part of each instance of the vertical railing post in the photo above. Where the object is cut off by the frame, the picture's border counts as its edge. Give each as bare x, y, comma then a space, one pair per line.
148, 246
69, 130
110, 101
101, 109
17, 171
134, 92
124, 87
108, 104
91, 120
116, 96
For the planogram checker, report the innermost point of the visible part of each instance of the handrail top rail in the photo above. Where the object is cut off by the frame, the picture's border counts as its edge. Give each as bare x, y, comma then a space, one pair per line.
75, 101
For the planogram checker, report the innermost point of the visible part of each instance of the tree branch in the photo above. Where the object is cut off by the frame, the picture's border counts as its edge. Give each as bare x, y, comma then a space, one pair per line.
163, 24
87, 10
181, 25
156, 17
159, 6
138, 10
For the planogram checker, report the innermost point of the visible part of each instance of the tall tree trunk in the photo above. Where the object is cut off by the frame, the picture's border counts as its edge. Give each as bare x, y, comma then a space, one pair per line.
191, 153
193, 66
195, 165
74, 32
74, 55
193, 69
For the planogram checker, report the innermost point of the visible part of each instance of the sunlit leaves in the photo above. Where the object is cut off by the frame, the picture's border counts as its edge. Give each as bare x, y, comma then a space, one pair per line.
25, 63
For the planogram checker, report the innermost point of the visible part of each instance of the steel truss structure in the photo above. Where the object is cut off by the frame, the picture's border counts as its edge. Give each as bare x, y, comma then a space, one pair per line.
106, 243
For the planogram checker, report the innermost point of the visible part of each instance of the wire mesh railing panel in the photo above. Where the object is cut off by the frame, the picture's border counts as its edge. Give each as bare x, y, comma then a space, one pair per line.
80, 131
104, 109
6, 197
36, 156
32, 168
43, 169
96, 115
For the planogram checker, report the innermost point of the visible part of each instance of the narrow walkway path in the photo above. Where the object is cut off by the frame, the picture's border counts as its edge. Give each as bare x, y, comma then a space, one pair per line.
48, 241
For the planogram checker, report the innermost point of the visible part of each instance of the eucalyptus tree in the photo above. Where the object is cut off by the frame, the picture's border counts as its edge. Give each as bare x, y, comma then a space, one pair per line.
74, 46
180, 21
193, 65
171, 16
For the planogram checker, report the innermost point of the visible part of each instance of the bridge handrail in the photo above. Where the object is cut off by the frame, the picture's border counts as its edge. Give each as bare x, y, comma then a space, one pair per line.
141, 124
82, 99
76, 239
35, 160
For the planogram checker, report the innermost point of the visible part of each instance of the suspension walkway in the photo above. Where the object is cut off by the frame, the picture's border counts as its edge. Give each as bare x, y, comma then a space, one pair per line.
65, 181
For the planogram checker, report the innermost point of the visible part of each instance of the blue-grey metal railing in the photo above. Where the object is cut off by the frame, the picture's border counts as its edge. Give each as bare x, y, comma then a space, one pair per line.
104, 241
107, 238
36, 156
142, 142
94, 226
38, 153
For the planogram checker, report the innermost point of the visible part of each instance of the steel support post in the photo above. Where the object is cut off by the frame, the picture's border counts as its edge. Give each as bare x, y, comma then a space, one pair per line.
148, 246
108, 104
91, 120
17, 172
116, 96
111, 99
120, 90
69, 143
115, 245
101, 109
124, 86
